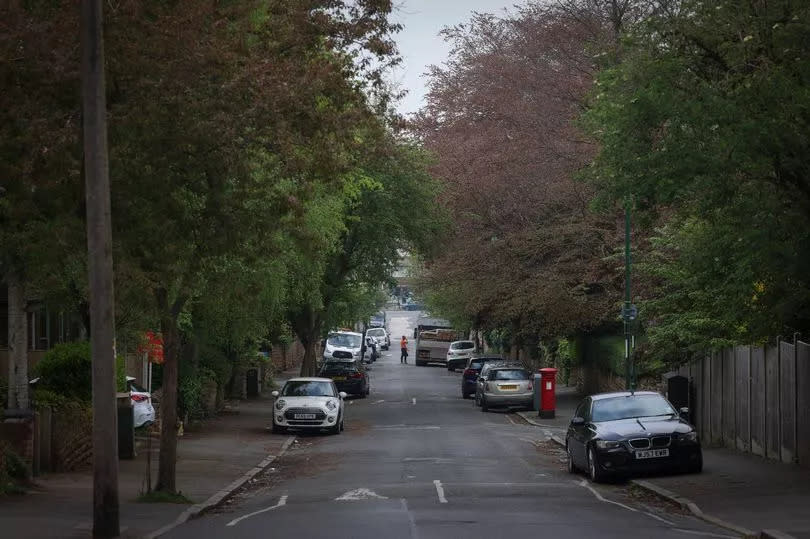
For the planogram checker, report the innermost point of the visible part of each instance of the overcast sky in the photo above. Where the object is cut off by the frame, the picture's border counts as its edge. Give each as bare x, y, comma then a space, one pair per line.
420, 44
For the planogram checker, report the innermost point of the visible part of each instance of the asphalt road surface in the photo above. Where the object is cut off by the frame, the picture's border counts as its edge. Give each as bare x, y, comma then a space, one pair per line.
417, 461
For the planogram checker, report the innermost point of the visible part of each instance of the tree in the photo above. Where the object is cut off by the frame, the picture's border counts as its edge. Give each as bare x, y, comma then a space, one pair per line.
227, 118
387, 206
525, 253
704, 123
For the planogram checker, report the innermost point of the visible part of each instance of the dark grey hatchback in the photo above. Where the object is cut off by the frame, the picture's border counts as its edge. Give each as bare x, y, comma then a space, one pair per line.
616, 434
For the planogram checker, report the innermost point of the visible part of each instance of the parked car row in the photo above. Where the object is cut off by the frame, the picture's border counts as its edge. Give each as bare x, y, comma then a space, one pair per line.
611, 435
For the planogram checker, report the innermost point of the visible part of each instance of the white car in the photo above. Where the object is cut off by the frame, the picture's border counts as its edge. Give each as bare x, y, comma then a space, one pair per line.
458, 354
343, 345
142, 411
380, 335
308, 403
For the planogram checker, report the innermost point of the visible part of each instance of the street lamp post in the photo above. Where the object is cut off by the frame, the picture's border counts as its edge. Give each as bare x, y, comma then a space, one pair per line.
629, 311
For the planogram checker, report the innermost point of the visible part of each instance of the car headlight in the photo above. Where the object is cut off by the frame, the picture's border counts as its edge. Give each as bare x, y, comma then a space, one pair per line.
280, 404
607, 444
356, 353
331, 405
690, 436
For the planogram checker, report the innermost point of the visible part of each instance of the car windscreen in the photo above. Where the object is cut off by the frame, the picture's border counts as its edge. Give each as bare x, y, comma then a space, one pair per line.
631, 407
297, 388
511, 374
376, 332
334, 368
464, 345
476, 363
344, 341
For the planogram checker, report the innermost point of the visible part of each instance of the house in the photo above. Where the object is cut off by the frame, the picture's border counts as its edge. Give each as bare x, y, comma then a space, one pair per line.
46, 328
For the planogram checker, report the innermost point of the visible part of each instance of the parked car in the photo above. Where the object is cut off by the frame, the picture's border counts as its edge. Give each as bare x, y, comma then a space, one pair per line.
142, 411
469, 377
381, 336
308, 403
459, 353
614, 434
349, 376
505, 386
343, 345
479, 382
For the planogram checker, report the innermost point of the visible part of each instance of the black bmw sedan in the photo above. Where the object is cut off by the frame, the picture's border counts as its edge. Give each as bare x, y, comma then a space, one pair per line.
616, 434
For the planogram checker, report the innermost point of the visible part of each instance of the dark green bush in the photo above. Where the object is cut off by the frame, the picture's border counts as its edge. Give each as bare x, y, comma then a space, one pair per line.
66, 370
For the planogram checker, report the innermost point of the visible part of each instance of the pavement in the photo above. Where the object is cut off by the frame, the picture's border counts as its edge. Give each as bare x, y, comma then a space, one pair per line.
212, 457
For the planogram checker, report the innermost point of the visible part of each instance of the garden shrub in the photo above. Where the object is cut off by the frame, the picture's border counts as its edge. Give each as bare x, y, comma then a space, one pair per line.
66, 370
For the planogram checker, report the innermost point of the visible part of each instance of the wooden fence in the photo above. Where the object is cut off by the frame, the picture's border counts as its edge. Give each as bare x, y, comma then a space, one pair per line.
755, 399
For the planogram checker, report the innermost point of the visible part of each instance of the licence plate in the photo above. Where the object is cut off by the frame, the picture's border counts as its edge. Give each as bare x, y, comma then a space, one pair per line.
652, 453
339, 378
304, 416
508, 387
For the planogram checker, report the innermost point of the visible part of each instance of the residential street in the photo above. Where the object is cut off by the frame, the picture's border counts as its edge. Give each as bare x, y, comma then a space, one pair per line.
416, 460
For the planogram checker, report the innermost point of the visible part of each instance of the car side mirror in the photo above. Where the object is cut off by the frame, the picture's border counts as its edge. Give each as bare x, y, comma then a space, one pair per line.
577, 421
274, 393
343, 394
684, 412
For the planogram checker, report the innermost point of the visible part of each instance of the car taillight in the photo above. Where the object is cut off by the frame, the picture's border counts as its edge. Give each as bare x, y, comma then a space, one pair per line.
468, 372
138, 398
357, 375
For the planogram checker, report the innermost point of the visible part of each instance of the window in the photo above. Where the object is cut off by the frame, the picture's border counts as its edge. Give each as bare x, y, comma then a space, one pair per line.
379, 332
463, 345
631, 406
338, 368
582, 410
303, 388
343, 340
38, 329
516, 374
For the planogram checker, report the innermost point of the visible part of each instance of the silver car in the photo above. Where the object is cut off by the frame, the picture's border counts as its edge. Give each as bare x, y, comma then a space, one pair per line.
504, 386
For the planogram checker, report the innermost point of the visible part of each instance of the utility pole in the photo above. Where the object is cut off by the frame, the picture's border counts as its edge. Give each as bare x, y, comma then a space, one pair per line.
99, 247
629, 311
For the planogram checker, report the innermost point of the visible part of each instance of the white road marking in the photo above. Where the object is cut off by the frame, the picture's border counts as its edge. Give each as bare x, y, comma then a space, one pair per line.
440, 491
407, 427
411, 521
281, 503
413, 401
359, 494
704, 534
378, 402
584, 483
435, 460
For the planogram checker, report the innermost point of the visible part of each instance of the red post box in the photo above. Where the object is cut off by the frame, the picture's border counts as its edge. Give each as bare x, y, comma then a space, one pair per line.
548, 381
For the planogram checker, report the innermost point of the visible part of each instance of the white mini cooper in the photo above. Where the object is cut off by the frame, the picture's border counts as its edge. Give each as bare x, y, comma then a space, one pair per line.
308, 403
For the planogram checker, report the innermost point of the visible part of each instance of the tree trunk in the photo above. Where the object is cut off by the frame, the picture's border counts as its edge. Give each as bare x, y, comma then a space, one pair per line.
309, 366
17, 341
167, 464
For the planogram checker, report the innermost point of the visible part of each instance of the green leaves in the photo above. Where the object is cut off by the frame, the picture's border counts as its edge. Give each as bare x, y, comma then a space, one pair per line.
703, 121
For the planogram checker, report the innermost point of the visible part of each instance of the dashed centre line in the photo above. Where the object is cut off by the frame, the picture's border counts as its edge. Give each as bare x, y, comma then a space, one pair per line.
440, 491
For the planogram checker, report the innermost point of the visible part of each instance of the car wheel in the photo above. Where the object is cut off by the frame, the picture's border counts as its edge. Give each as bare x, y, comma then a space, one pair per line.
450, 368
572, 468
465, 395
475, 400
278, 429
341, 425
484, 407
594, 470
